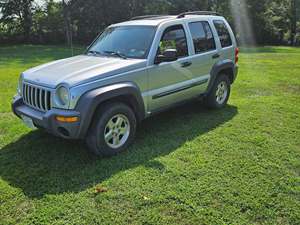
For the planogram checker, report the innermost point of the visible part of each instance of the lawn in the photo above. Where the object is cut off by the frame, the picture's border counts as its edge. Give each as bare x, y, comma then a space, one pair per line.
239, 165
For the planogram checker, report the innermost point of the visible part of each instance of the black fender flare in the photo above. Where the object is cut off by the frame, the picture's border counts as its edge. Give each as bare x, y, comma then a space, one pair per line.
217, 68
89, 102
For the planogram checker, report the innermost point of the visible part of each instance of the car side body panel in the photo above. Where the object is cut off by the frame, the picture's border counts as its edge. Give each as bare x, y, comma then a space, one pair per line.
172, 82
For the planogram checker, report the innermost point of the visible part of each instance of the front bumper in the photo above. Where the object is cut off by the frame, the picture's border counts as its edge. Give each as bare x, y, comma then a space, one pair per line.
47, 120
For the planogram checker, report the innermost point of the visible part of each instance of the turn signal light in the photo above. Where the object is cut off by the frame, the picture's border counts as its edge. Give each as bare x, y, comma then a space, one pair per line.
67, 119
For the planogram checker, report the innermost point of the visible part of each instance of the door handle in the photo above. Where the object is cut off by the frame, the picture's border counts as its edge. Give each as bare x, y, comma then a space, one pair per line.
215, 56
186, 64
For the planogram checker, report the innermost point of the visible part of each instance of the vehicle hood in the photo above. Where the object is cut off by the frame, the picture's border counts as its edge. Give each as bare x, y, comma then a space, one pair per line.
80, 69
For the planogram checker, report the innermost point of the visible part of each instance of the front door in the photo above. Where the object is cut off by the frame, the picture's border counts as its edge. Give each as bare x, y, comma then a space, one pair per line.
169, 82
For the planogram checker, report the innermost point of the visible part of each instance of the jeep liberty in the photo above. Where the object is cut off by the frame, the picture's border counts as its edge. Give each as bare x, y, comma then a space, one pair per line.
131, 71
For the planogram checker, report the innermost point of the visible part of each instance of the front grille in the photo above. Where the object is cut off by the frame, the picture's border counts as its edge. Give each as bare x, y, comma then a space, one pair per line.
36, 97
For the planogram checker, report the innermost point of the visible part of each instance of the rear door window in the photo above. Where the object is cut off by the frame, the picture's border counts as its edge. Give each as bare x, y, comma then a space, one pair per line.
223, 33
203, 38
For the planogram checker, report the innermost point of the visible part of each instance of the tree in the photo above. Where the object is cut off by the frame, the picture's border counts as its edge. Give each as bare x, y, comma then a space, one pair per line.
265, 21
20, 13
48, 26
67, 21
294, 18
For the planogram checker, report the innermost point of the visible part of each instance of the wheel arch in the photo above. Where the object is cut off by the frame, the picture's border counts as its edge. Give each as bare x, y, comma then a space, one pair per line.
90, 102
226, 67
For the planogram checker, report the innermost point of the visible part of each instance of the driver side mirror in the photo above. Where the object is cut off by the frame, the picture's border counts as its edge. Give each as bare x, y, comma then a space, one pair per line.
168, 55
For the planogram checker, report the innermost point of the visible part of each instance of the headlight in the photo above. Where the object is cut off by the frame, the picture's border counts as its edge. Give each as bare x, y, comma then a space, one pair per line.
19, 89
62, 95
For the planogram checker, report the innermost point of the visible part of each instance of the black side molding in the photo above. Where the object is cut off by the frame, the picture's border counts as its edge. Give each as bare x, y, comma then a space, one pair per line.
163, 94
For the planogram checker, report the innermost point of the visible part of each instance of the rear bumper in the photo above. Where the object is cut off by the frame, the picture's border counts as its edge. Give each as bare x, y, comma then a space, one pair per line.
48, 120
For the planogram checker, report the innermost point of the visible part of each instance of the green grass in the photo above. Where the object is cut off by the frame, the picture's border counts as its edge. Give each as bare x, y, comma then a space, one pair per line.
239, 165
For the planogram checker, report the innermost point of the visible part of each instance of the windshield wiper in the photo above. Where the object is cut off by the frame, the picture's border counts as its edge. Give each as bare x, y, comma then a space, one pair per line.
116, 54
94, 52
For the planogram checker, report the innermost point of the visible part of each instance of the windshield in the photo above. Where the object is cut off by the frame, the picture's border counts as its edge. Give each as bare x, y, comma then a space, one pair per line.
125, 41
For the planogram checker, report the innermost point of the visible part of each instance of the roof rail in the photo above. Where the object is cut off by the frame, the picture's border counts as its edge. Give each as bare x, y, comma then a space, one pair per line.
147, 17
182, 15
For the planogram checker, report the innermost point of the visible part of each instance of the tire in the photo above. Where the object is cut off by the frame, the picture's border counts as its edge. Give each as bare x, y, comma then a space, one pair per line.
118, 122
219, 94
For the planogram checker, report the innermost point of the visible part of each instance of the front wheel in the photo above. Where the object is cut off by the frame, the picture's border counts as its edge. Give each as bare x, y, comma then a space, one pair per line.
113, 129
219, 94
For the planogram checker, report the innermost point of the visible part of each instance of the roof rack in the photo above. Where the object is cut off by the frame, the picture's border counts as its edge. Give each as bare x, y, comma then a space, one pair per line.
182, 15
147, 17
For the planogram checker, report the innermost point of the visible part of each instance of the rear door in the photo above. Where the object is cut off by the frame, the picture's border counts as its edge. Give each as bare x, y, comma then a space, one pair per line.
204, 53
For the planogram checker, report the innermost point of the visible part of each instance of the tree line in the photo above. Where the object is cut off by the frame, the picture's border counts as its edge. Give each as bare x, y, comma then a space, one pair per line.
272, 22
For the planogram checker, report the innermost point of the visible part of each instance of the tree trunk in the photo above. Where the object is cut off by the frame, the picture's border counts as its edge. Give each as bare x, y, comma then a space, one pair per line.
293, 22
66, 15
27, 20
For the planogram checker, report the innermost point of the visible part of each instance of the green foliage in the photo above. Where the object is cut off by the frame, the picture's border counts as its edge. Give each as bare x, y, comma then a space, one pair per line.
239, 165
255, 21
47, 23
16, 17
167, 44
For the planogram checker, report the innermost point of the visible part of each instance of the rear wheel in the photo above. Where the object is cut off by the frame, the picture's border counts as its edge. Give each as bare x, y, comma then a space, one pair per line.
219, 94
113, 129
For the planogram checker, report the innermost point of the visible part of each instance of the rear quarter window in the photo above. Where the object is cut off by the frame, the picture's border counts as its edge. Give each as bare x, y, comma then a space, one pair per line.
223, 33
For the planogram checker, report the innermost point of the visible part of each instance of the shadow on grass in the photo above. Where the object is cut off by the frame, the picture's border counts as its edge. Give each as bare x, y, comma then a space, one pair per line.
40, 164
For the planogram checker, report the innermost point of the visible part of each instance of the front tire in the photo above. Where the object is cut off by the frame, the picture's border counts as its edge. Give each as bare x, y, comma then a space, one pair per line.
219, 94
113, 129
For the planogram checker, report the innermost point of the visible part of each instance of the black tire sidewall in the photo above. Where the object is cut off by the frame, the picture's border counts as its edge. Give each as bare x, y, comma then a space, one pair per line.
211, 98
106, 114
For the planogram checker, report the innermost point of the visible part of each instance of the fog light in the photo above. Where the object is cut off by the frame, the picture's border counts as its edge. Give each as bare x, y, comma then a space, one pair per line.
67, 119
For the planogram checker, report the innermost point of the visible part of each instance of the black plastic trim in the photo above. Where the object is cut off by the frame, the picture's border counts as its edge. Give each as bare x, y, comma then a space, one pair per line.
47, 120
89, 102
163, 94
217, 68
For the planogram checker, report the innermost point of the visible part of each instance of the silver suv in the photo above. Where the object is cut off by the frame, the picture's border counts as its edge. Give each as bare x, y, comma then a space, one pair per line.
131, 71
